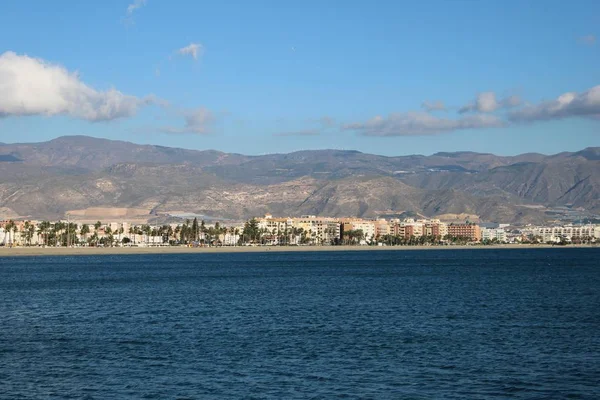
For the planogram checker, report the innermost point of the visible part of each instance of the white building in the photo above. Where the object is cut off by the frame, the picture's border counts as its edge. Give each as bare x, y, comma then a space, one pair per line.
491, 234
567, 232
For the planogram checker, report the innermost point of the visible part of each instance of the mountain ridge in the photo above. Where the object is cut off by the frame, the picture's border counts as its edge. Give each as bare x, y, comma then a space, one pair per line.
92, 139
48, 179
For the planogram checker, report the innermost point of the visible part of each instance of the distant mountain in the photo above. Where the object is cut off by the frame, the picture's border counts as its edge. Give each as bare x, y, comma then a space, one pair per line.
591, 153
78, 173
95, 154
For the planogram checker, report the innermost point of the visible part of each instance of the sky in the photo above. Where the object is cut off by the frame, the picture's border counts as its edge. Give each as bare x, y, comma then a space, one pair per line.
257, 77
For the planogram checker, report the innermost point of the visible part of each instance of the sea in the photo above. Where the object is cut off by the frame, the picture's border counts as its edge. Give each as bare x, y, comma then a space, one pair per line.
434, 324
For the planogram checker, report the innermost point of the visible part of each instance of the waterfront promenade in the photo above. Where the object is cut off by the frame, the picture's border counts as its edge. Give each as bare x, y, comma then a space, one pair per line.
78, 251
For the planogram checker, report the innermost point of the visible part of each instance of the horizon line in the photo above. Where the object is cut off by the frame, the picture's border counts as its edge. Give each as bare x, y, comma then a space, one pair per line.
294, 151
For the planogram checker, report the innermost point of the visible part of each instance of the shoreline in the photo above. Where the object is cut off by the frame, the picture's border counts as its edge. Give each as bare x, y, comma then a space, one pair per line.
115, 251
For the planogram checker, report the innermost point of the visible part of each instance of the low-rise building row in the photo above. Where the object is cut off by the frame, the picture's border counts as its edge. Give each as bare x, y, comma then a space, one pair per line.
306, 229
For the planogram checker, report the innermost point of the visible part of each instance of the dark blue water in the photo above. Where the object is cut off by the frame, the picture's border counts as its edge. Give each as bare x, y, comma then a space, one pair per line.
407, 324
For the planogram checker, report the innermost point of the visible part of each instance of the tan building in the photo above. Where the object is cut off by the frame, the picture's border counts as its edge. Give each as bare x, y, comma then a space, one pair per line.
418, 228
367, 227
435, 228
319, 229
382, 228
471, 231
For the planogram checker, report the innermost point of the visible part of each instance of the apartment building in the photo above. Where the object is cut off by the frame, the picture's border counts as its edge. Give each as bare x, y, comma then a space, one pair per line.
435, 227
367, 227
494, 234
410, 227
278, 225
382, 228
319, 229
569, 232
471, 231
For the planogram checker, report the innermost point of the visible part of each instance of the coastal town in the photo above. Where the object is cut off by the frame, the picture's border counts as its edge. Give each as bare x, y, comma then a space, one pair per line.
307, 230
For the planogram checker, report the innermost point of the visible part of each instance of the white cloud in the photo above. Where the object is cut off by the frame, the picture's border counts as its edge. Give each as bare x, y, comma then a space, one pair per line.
571, 104
31, 86
420, 124
435, 105
134, 6
193, 49
511, 101
197, 121
487, 102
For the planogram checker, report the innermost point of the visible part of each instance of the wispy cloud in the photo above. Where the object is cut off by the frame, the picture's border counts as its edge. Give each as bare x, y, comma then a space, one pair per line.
326, 122
435, 105
487, 102
590, 40
197, 121
193, 49
317, 127
571, 104
421, 124
137, 4
32, 86
308, 132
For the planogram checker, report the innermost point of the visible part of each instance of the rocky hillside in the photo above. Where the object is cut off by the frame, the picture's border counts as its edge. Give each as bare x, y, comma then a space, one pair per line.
45, 180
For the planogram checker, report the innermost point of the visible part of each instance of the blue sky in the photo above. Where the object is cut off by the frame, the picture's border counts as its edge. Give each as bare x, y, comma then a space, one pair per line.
266, 76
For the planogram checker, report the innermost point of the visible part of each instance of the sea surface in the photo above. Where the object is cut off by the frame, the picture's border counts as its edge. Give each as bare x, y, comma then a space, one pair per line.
450, 324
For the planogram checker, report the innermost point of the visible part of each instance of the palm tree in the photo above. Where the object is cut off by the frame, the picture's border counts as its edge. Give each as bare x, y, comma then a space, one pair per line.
170, 233
58, 228
299, 232
29, 232
93, 239
84, 231
285, 234
224, 232
43, 230
109, 233
177, 232
146, 229
15, 229
26, 230
133, 231
185, 232
71, 233
8, 227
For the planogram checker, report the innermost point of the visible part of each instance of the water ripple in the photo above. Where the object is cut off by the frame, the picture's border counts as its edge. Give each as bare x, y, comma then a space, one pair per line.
417, 325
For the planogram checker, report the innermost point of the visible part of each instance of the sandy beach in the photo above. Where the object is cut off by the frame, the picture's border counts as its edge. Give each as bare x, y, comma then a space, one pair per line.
82, 251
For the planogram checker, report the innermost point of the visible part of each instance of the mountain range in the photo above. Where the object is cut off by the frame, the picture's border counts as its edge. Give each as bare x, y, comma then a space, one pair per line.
92, 178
